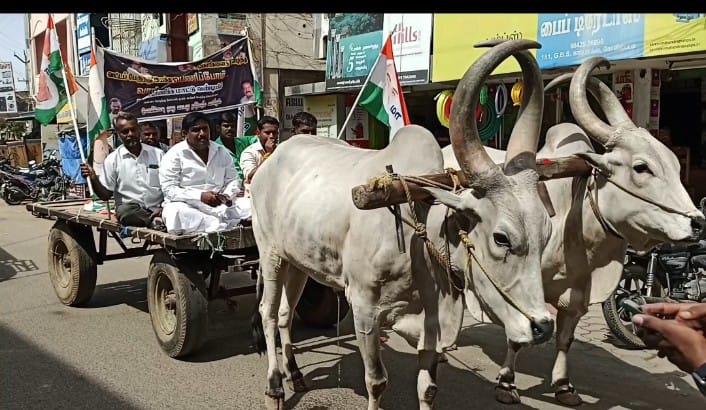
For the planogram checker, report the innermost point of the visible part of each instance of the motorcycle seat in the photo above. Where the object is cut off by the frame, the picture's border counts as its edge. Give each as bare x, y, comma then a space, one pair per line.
682, 247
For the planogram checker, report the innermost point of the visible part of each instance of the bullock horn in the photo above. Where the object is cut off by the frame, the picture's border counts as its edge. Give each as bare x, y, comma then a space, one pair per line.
609, 103
521, 150
463, 130
584, 115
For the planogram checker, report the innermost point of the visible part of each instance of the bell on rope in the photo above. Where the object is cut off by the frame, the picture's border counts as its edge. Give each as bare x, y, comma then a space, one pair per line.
516, 93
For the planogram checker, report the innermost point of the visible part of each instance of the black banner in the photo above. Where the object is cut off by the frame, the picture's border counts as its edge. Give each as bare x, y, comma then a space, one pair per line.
164, 90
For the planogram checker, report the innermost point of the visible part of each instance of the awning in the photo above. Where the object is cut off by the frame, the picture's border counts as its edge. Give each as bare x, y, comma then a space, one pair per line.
23, 116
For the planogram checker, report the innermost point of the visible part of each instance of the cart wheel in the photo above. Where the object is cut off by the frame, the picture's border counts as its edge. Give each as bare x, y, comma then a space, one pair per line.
319, 306
72, 263
178, 305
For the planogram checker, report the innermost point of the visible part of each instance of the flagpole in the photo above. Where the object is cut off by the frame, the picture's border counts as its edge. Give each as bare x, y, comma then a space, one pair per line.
357, 99
71, 110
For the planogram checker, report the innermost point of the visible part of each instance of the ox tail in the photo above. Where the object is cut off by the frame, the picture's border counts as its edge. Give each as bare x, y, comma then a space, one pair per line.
258, 332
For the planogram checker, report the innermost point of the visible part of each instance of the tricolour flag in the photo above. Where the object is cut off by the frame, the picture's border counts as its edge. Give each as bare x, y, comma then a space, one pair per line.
247, 117
98, 113
382, 95
52, 94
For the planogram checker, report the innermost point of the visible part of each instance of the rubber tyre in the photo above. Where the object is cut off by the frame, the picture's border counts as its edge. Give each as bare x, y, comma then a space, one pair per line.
319, 306
178, 304
72, 263
623, 332
13, 195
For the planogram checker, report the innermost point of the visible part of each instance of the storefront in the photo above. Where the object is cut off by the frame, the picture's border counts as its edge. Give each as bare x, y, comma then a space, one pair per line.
658, 71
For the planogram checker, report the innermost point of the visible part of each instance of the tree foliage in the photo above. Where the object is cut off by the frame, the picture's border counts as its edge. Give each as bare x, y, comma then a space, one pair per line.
351, 24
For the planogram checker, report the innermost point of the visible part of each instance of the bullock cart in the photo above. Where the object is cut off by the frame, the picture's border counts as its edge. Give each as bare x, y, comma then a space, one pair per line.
183, 275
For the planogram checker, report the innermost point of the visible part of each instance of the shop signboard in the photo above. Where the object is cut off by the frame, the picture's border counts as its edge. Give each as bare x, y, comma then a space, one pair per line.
667, 34
456, 34
355, 40
411, 44
84, 63
324, 108
569, 39
357, 132
292, 105
8, 101
83, 32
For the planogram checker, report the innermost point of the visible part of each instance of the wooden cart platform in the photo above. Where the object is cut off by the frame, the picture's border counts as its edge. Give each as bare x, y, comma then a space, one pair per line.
72, 210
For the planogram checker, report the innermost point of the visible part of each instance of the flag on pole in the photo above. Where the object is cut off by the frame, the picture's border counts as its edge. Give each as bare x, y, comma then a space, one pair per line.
51, 93
98, 112
381, 94
252, 91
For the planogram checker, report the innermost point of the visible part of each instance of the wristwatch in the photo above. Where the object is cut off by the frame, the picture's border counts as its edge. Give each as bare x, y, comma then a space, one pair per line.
699, 376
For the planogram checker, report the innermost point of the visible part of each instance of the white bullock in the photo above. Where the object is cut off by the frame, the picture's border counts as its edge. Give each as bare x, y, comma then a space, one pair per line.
634, 196
305, 223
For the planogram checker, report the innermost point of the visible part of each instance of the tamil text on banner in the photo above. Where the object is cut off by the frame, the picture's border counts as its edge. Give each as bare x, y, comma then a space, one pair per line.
166, 90
411, 44
354, 43
674, 33
569, 39
456, 34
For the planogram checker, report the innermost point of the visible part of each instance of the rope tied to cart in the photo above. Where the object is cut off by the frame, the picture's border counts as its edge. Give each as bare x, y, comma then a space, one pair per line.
202, 239
443, 257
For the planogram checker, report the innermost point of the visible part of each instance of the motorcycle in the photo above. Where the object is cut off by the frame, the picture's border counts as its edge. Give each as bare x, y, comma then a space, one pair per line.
41, 182
673, 273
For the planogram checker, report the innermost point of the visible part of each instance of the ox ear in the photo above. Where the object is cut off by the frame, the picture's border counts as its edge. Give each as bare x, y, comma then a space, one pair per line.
458, 202
597, 160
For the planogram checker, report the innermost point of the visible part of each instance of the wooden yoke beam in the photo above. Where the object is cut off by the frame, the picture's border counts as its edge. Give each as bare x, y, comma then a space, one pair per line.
387, 190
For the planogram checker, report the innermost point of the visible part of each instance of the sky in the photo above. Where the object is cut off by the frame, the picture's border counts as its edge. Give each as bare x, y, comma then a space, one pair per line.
12, 41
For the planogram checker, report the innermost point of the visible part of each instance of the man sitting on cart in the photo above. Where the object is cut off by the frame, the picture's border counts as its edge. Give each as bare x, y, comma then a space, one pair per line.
200, 183
131, 175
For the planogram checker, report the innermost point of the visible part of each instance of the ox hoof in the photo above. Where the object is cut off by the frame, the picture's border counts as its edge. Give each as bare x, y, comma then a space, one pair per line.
507, 393
297, 385
566, 394
274, 403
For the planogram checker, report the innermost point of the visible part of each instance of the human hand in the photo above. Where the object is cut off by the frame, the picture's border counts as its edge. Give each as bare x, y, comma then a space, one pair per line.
210, 198
157, 212
680, 344
225, 199
87, 171
690, 314
270, 145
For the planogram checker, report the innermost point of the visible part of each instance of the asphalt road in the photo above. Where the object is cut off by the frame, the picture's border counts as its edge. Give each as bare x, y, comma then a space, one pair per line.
105, 355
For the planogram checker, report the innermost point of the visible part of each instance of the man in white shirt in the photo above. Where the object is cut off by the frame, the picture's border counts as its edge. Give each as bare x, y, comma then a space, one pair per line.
131, 175
253, 156
200, 183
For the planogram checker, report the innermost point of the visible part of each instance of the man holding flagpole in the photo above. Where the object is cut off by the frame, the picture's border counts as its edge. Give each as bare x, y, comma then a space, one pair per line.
56, 86
381, 94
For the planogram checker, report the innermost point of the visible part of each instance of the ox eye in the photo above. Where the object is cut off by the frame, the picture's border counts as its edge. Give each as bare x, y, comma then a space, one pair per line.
642, 168
502, 240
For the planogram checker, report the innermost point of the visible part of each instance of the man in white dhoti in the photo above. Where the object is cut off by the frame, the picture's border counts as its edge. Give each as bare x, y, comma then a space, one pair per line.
200, 184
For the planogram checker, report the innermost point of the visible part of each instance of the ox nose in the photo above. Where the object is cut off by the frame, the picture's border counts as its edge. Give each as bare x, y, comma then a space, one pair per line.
542, 330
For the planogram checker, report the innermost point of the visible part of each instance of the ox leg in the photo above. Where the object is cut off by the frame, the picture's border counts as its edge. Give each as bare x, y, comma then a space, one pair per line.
426, 379
566, 321
273, 270
367, 333
506, 390
290, 298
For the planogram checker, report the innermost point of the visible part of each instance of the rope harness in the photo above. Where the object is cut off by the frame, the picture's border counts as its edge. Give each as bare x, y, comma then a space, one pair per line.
443, 257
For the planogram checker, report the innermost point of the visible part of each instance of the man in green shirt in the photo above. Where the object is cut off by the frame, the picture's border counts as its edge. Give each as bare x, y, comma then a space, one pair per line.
236, 145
